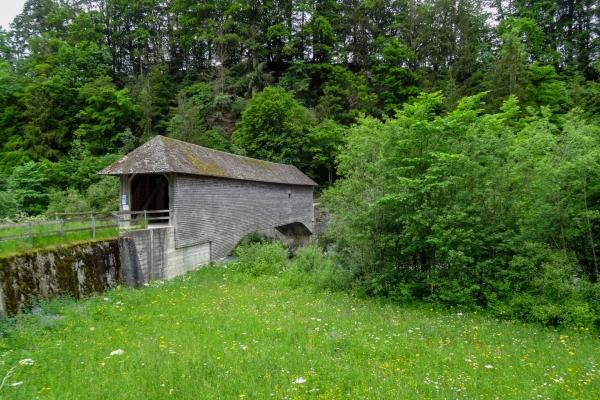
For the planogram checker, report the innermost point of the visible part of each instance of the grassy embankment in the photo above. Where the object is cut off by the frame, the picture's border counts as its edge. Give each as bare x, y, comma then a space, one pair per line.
51, 235
216, 334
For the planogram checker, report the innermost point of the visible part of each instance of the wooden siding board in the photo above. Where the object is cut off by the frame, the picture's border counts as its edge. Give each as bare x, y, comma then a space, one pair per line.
222, 211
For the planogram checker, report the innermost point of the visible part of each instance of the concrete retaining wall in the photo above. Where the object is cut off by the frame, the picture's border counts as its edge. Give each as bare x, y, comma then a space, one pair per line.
158, 257
78, 271
91, 268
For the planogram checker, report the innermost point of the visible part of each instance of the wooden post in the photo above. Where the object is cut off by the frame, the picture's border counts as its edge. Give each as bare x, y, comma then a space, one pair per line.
145, 219
62, 228
93, 227
30, 233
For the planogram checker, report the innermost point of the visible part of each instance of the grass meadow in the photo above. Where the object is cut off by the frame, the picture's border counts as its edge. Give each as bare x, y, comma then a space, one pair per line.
215, 334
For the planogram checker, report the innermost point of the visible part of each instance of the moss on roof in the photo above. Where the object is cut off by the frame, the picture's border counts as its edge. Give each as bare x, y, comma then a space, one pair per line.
163, 155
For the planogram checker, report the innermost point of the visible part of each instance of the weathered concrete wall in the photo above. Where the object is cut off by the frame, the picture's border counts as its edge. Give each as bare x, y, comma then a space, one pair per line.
91, 268
77, 271
222, 211
158, 257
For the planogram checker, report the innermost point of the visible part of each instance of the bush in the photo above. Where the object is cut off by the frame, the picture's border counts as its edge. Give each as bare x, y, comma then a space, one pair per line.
542, 286
313, 268
249, 240
261, 259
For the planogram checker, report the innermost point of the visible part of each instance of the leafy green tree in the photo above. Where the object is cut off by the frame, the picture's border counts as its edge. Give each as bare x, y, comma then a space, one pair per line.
103, 195
8, 204
324, 143
107, 113
345, 96
274, 127
544, 88
30, 185
66, 201
509, 73
394, 82
186, 124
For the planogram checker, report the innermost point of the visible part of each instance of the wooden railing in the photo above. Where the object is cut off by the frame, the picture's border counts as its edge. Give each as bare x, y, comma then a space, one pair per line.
97, 220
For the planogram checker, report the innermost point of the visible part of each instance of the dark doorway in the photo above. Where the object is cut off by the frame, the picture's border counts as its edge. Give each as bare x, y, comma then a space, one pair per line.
150, 192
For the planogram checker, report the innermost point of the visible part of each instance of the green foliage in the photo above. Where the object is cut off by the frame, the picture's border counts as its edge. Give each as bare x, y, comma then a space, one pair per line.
104, 194
274, 127
345, 96
311, 268
395, 83
30, 185
261, 259
250, 240
66, 201
442, 207
108, 112
545, 89
541, 286
9, 205
324, 143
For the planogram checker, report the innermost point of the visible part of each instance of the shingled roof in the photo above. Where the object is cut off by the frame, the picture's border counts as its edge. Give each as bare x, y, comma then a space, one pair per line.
164, 155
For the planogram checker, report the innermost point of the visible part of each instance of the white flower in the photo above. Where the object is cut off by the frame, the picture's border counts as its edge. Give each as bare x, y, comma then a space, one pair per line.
243, 347
117, 352
106, 299
489, 366
17, 383
300, 380
460, 314
92, 328
27, 361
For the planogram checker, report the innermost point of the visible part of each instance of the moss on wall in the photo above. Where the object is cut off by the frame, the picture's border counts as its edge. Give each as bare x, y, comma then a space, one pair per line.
76, 270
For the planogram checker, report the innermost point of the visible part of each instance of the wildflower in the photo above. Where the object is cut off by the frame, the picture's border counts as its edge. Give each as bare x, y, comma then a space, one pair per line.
92, 328
489, 366
117, 352
26, 361
300, 380
106, 299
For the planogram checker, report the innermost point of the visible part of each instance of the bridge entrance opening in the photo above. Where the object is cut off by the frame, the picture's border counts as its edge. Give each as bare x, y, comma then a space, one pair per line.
150, 192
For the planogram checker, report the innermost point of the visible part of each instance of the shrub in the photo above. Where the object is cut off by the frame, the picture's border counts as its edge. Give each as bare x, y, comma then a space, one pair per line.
261, 259
313, 268
542, 286
249, 240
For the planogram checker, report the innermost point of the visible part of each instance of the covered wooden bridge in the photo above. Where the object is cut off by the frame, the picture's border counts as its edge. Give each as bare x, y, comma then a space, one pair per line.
212, 198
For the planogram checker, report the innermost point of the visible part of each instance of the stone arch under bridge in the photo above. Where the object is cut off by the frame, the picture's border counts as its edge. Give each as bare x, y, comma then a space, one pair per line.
213, 200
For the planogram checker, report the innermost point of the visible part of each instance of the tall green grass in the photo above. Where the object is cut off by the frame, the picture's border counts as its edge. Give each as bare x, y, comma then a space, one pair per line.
219, 334
15, 246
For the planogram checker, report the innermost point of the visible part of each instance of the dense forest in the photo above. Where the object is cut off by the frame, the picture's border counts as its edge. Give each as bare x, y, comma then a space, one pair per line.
456, 141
